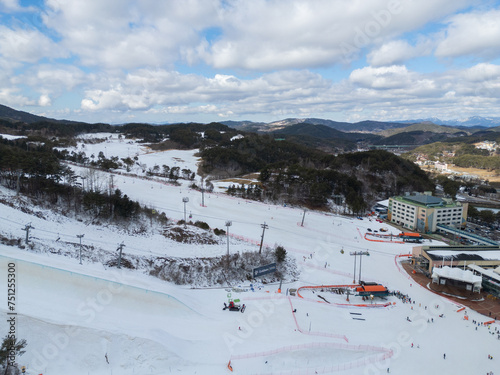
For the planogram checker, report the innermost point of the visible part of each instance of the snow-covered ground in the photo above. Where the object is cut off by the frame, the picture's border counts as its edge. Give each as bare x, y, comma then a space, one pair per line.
90, 319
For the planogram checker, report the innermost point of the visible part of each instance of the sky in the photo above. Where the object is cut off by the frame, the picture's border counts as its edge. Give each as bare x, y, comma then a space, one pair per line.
119, 61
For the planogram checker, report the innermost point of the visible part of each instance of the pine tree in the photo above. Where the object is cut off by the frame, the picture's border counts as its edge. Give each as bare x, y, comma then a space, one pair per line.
10, 350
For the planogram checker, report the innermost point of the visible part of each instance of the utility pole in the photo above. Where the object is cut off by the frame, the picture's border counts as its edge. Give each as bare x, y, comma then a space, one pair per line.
264, 227
18, 185
360, 253
80, 236
185, 200
27, 229
303, 217
228, 224
83, 183
202, 192
111, 184
120, 248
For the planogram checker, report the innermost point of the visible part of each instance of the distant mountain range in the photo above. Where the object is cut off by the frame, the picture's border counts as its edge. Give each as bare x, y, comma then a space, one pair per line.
10, 114
473, 121
277, 126
368, 126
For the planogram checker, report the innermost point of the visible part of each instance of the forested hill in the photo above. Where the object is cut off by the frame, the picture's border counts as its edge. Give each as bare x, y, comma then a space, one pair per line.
298, 174
290, 170
12, 115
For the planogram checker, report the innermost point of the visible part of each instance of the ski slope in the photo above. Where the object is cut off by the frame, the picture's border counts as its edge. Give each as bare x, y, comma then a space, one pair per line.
83, 319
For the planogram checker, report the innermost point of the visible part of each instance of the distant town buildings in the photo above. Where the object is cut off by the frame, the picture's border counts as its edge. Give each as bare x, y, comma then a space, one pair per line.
487, 145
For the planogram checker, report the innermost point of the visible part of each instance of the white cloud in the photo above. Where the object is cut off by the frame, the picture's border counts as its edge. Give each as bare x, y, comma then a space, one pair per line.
10, 96
474, 33
482, 72
398, 51
393, 92
44, 100
9, 5
254, 35
52, 78
14, 6
27, 45
129, 34
255, 60
267, 35
144, 89
395, 76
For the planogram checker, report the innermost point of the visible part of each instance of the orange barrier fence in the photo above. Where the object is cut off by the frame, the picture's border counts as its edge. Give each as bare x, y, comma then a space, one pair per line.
381, 354
323, 334
398, 266
382, 240
325, 286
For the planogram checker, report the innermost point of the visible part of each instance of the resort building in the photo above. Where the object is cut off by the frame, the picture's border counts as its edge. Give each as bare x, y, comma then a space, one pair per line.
457, 277
427, 257
424, 212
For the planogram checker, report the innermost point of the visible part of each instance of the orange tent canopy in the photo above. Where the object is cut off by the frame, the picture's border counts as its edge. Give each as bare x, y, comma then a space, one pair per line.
409, 234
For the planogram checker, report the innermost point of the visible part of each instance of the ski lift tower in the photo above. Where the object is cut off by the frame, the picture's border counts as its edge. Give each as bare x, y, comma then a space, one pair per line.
360, 253
80, 236
228, 224
185, 200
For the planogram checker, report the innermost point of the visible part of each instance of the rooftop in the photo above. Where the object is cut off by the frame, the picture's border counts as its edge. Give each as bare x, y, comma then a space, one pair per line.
457, 274
483, 271
425, 200
464, 255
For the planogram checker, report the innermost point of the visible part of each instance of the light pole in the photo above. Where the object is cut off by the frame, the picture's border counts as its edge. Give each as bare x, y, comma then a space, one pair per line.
80, 236
185, 200
228, 224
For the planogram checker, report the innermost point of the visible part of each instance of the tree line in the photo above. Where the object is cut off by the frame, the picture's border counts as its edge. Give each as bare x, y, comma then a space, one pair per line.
289, 171
293, 173
35, 170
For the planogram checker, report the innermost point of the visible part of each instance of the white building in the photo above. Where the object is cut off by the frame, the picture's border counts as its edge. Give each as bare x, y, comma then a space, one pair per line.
423, 212
457, 277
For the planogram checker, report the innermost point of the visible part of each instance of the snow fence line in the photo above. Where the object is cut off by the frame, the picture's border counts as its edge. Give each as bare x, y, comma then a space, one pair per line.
329, 270
383, 355
381, 236
323, 334
399, 267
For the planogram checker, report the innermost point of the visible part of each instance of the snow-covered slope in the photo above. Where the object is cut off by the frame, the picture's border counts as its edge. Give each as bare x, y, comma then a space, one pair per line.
92, 319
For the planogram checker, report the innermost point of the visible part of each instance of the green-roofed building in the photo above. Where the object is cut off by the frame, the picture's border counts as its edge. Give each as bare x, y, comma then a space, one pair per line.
423, 212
